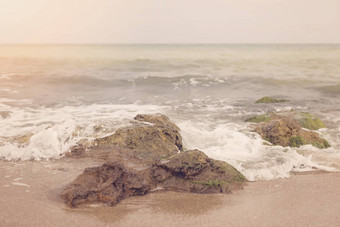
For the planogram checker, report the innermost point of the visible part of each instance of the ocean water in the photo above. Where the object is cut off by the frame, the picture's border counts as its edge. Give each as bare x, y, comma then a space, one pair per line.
52, 96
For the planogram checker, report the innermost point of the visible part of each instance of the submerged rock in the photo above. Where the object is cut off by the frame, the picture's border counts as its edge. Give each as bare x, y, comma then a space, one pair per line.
286, 131
270, 100
305, 119
190, 171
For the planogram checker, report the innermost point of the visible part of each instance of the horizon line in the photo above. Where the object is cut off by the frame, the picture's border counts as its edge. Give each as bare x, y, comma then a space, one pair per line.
184, 43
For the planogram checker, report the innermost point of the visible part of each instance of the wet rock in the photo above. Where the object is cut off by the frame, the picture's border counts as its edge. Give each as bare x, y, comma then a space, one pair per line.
286, 131
157, 140
158, 120
190, 171
305, 119
193, 171
109, 183
270, 100
309, 121
259, 118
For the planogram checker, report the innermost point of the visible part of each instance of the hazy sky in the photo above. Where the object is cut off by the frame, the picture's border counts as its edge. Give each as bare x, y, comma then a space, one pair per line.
170, 21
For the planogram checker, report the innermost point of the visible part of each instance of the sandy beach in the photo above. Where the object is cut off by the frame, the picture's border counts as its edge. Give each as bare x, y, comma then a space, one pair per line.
169, 113
29, 197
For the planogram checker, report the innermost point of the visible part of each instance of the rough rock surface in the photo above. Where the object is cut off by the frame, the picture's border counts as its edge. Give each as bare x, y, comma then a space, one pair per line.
108, 183
158, 120
286, 131
190, 171
157, 140
193, 171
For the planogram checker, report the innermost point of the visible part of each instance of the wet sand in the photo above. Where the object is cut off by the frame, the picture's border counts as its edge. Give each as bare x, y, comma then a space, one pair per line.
28, 197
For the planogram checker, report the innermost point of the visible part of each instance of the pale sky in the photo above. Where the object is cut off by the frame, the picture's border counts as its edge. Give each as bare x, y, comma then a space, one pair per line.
169, 21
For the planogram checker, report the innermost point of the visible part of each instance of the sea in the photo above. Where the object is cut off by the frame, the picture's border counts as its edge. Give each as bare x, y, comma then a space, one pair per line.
53, 96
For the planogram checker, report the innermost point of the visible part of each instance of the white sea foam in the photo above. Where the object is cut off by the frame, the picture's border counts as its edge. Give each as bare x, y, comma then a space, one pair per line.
245, 151
50, 132
20, 184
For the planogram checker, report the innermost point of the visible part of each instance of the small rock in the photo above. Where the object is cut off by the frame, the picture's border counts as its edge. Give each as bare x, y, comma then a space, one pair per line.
270, 100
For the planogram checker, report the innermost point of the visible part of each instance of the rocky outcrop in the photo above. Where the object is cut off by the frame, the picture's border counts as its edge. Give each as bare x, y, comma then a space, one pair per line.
190, 171
286, 131
145, 156
270, 100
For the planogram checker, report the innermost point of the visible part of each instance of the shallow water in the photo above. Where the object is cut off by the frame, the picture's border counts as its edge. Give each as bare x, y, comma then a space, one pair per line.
52, 96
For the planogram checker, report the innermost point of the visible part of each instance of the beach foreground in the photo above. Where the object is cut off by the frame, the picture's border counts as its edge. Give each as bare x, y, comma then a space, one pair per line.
29, 197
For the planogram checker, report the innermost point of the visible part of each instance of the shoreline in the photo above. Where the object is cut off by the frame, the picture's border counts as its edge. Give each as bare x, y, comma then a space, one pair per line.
29, 197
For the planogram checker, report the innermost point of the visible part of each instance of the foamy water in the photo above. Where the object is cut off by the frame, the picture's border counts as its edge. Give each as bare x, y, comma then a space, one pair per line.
53, 96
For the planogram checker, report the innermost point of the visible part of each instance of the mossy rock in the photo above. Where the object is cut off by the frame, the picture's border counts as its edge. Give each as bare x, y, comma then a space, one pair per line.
297, 141
321, 144
285, 131
305, 119
309, 121
270, 100
194, 171
260, 118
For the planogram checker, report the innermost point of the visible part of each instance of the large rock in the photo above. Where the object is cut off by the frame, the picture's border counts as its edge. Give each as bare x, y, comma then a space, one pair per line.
190, 171
108, 183
193, 171
286, 131
158, 139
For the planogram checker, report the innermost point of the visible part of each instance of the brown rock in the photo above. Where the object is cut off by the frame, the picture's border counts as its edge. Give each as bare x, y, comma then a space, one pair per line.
193, 171
157, 141
190, 171
286, 131
108, 183
157, 119
142, 157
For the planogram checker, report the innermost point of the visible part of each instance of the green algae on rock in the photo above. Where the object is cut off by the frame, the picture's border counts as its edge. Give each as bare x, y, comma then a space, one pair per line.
305, 119
270, 100
259, 118
286, 131
309, 121
298, 141
200, 173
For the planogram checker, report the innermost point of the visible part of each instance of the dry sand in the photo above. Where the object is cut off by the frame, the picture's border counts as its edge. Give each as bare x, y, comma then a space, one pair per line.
28, 197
